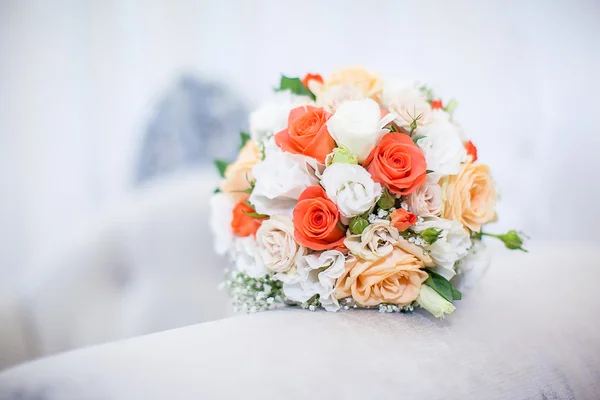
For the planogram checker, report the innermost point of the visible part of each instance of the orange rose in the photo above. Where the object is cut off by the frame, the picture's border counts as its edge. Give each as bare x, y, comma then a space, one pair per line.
397, 163
471, 150
402, 219
243, 224
312, 78
307, 133
317, 220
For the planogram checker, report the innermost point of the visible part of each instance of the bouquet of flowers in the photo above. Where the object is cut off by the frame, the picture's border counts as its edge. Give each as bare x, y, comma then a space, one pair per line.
354, 193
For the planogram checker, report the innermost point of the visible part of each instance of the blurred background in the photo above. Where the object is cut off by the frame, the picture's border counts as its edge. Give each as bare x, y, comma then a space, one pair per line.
111, 112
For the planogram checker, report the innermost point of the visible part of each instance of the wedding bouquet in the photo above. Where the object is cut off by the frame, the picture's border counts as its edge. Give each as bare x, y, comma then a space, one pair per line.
354, 193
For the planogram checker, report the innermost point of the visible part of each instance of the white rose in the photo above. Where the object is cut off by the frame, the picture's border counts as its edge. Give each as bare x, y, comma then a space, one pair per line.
272, 117
433, 302
351, 187
407, 103
221, 214
280, 179
442, 147
426, 200
332, 97
246, 257
316, 274
376, 241
358, 126
452, 244
277, 247
473, 266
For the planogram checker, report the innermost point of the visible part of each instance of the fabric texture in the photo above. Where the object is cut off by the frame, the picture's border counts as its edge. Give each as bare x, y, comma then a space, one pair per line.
529, 331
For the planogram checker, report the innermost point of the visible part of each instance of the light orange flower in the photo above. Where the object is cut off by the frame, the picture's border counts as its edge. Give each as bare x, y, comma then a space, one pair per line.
238, 175
395, 279
470, 196
368, 83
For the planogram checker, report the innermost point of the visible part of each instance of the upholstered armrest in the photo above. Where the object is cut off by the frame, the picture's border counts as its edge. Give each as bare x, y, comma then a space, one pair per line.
529, 331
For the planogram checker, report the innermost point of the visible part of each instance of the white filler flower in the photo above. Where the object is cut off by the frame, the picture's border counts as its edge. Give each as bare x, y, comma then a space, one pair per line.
316, 274
443, 149
221, 214
351, 187
452, 244
280, 179
473, 266
272, 117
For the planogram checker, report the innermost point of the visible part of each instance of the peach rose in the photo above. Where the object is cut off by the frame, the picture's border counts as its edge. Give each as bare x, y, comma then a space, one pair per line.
402, 219
369, 84
470, 196
397, 163
307, 133
317, 220
238, 175
395, 278
242, 223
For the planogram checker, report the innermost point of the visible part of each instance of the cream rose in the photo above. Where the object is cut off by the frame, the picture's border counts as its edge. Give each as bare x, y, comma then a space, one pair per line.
331, 97
426, 200
395, 278
276, 245
238, 175
442, 147
407, 103
376, 241
470, 196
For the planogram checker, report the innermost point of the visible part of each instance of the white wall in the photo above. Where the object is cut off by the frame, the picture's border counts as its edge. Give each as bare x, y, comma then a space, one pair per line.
77, 80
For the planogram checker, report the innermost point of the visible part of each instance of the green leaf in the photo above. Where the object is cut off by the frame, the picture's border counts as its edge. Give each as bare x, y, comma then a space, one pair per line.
217, 190
257, 215
295, 86
429, 171
221, 166
417, 138
442, 286
456, 294
244, 136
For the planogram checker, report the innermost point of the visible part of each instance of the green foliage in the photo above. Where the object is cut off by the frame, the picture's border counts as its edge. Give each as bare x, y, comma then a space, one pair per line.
442, 286
244, 137
295, 86
221, 167
417, 138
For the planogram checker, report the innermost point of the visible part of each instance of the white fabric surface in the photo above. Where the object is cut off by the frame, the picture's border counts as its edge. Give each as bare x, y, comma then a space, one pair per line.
146, 266
530, 331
